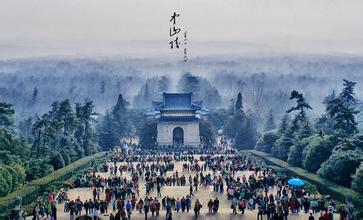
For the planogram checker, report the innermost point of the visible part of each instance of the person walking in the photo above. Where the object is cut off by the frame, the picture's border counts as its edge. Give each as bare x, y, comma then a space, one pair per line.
311, 217
210, 206
197, 207
128, 207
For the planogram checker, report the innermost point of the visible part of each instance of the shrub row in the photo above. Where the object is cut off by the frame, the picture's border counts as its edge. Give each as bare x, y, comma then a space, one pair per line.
32, 190
324, 186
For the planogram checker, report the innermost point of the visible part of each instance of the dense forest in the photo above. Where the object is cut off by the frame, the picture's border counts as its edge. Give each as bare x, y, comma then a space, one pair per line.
31, 85
330, 146
53, 112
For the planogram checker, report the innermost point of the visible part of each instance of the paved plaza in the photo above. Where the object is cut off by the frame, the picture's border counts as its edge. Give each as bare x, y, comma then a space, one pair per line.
204, 194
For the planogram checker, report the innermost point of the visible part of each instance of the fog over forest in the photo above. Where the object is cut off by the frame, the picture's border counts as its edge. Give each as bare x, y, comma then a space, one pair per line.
265, 81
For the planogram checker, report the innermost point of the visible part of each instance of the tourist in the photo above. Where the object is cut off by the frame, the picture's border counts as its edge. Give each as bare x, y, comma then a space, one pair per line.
53, 215
242, 206
128, 207
210, 206
217, 172
197, 207
215, 205
95, 214
311, 217
146, 207
234, 205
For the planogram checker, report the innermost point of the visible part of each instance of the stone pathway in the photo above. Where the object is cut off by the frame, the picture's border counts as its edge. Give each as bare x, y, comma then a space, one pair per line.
203, 194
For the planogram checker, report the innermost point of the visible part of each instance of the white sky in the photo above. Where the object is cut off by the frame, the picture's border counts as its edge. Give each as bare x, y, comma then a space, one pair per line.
323, 26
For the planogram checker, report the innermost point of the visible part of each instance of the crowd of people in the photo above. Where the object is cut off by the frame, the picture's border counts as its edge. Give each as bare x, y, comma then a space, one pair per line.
259, 189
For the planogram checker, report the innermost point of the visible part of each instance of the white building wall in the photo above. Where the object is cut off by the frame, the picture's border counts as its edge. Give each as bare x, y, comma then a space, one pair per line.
191, 133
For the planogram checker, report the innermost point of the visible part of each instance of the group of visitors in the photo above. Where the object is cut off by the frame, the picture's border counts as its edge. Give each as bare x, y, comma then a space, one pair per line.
257, 189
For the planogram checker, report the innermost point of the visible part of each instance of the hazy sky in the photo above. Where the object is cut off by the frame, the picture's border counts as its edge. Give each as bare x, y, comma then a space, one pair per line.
322, 26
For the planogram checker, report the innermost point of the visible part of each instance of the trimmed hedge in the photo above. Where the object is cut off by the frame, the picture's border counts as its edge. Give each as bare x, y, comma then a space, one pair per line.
32, 190
324, 186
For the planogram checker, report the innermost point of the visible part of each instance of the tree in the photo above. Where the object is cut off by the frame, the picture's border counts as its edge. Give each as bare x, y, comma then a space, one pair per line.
37, 168
284, 125
239, 103
325, 123
246, 136
301, 124
233, 123
70, 149
295, 155
286, 138
66, 117
11, 173
358, 179
85, 133
270, 122
43, 132
120, 117
266, 141
346, 158
147, 132
305, 131
34, 98
115, 125
301, 105
217, 117
341, 166
108, 136
282, 145
6, 114
207, 133
57, 161
343, 111
6, 180
298, 129
201, 88
14, 145
317, 151
25, 129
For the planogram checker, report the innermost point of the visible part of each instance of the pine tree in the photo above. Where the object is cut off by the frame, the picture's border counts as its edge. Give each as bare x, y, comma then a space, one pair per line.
6, 114
34, 99
301, 105
25, 128
239, 103
115, 125
343, 111
325, 123
231, 107
147, 131
44, 132
270, 122
282, 145
246, 136
207, 134
85, 133
120, 116
108, 136
305, 130
284, 125
67, 117
286, 139
301, 126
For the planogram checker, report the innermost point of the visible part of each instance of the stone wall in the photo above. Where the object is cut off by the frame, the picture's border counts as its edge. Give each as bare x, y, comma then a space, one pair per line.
191, 133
